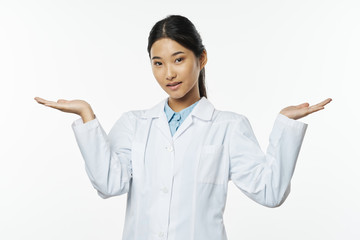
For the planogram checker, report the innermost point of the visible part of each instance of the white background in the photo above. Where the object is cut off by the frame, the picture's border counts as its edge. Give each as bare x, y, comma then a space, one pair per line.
262, 57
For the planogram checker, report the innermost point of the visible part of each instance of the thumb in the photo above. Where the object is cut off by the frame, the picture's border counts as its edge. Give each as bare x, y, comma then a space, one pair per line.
62, 101
303, 105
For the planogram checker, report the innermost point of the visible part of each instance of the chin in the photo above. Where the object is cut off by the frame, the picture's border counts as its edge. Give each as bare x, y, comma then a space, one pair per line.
176, 96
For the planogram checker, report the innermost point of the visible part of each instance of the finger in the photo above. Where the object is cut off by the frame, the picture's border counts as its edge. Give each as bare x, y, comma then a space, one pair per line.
40, 100
62, 101
323, 103
53, 104
326, 101
43, 101
312, 110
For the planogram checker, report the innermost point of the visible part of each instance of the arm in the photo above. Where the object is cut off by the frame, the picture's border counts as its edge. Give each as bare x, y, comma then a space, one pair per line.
107, 157
265, 178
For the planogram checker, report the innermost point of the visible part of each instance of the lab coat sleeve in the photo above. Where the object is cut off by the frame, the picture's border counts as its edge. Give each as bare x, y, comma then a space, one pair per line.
107, 156
265, 177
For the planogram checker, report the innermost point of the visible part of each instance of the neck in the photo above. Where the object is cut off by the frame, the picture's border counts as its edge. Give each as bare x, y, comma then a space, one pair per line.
179, 104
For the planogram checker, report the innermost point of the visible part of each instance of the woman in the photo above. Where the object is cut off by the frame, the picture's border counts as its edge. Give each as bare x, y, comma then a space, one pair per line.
174, 160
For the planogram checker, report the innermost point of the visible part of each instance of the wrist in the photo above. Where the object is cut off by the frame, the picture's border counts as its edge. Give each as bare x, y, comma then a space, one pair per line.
87, 115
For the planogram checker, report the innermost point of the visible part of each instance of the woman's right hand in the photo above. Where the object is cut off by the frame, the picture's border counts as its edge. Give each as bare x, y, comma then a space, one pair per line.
79, 107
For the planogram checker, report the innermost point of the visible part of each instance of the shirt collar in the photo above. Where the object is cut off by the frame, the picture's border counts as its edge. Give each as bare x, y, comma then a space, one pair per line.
170, 113
203, 109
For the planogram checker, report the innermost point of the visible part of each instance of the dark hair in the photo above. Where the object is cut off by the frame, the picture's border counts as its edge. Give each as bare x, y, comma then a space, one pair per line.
183, 31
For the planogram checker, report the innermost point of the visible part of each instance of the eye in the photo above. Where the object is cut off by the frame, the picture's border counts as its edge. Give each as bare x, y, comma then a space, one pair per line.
180, 59
157, 63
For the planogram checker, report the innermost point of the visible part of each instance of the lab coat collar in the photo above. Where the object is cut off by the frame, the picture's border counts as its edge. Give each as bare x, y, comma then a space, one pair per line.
203, 110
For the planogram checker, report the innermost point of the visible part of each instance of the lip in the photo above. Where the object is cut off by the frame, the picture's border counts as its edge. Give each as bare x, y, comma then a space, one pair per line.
174, 87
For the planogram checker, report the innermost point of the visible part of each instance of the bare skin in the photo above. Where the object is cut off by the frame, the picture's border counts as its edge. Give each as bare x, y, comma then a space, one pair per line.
79, 107
172, 63
84, 110
304, 109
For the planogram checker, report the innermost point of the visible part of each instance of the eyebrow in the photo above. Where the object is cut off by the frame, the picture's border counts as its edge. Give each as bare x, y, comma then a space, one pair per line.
174, 54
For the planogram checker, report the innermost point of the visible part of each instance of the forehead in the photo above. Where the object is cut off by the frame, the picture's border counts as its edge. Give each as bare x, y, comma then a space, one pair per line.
165, 47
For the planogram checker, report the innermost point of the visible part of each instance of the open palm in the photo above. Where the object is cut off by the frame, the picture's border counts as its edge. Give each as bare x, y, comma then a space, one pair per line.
304, 109
70, 106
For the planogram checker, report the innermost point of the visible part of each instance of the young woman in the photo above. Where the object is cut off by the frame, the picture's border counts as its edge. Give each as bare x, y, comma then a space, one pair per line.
174, 160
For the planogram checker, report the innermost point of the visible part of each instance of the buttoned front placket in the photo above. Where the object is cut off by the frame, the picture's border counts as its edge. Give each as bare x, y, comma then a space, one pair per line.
166, 191
166, 178
166, 168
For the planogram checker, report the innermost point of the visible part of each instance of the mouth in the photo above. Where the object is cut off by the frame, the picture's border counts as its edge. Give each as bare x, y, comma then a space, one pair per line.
174, 85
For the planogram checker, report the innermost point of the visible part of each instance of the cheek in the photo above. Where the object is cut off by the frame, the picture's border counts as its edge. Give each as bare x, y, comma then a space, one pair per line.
186, 70
192, 71
157, 74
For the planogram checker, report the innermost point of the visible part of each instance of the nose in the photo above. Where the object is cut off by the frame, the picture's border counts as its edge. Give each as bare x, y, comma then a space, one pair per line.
170, 74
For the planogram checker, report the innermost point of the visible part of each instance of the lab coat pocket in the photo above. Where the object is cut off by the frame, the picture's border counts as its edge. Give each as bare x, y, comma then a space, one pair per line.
212, 165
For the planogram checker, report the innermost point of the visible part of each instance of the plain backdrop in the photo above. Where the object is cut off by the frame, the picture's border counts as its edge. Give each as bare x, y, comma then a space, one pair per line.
262, 57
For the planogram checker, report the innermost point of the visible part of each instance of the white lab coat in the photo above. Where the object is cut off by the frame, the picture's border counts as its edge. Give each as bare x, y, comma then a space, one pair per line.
177, 185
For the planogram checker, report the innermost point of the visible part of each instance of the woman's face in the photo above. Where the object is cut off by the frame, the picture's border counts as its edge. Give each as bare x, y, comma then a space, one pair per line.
176, 69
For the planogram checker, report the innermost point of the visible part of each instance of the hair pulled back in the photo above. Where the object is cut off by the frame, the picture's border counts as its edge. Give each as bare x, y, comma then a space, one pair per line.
183, 31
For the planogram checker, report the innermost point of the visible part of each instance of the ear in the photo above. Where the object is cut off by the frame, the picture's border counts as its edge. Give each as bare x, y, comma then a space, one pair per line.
203, 59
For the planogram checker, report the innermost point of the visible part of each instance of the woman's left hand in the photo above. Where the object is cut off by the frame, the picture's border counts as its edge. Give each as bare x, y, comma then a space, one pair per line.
302, 110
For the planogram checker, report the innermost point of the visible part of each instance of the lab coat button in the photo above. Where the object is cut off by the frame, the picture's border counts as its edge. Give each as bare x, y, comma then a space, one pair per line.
170, 148
165, 190
161, 234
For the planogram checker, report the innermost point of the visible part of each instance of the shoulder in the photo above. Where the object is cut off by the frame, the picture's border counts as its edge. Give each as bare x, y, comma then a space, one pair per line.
134, 114
221, 116
235, 123
129, 119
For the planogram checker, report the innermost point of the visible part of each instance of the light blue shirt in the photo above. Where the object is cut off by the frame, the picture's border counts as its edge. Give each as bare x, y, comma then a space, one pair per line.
175, 119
